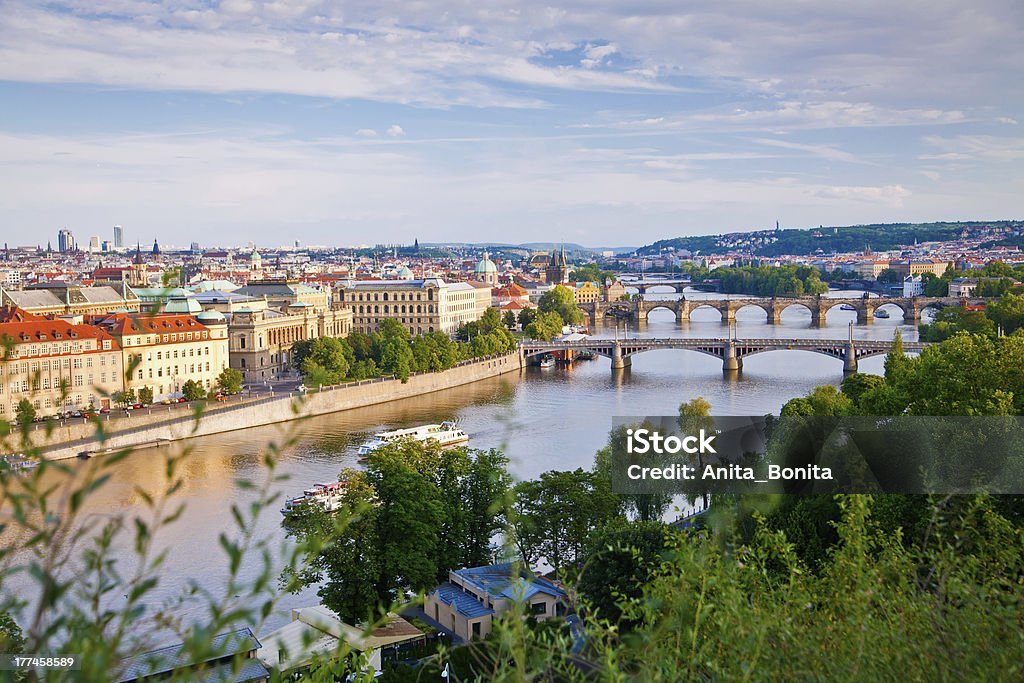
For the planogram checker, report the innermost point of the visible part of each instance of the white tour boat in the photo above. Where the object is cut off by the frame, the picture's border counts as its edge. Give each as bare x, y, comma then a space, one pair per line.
881, 314
327, 496
547, 362
446, 434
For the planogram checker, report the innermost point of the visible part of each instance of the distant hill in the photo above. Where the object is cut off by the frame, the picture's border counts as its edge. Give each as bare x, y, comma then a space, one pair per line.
797, 242
535, 246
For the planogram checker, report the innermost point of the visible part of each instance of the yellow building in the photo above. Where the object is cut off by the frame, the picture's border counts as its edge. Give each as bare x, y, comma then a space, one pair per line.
912, 268
586, 292
163, 352
261, 340
422, 306
55, 364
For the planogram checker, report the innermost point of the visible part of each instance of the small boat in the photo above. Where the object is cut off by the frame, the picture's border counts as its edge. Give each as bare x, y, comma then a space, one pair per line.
847, 307
446, 434
328, 496
585, 355
881, 314
16, 463
547, 362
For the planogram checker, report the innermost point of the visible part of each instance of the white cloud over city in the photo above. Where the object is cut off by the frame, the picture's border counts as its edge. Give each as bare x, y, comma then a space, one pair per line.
600, 122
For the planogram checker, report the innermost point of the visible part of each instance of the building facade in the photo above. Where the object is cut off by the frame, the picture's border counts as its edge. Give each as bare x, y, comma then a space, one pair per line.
261, 340
586, 292
56, 364
422, 306
467, 603
163, 352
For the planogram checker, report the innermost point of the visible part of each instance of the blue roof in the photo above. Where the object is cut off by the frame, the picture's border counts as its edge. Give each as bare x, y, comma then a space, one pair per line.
464, 603
502, 580
172, 657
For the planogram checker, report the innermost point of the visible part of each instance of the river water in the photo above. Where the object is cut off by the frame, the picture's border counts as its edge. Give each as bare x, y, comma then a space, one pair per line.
542, 419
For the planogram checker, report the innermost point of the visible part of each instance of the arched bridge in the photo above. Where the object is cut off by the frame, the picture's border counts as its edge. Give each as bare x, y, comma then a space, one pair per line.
730, 351
678, 285
773, 307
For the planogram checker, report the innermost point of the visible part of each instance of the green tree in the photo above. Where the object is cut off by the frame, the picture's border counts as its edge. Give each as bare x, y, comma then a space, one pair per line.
889, 276
230, 381
545, 326
509, 320
327, 362
526, 316
344, 558
146, 395
193, 391
393, 350
1008, 312
125, 398
694, 416
24, 413
559, 511
561, 300
12, 640
618, 563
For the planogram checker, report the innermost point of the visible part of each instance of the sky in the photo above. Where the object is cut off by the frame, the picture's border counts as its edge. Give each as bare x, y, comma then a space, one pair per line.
589, 121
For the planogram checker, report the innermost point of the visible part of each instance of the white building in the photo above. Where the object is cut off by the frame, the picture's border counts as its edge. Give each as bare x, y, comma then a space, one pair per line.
912, 286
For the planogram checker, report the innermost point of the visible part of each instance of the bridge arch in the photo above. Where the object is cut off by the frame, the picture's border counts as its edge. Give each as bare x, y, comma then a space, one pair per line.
786, 305
887, 304
741, 305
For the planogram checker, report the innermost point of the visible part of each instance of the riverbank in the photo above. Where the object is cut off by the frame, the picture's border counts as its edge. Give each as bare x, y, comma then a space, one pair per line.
70, 440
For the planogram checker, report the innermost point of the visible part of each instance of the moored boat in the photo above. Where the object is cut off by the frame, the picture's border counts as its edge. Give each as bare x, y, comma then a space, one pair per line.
328, 496
547, 362
446, 434
882, 314
847, 307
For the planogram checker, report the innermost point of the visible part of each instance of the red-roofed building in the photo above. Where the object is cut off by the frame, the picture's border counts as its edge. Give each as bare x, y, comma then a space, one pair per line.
163, 352
55, 365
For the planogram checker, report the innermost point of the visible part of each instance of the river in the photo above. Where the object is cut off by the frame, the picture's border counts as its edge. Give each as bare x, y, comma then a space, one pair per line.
542, 419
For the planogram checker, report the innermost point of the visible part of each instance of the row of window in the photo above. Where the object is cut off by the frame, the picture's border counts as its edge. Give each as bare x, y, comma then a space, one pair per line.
166, 338
401, 296
161, 355
55, 348
56, 364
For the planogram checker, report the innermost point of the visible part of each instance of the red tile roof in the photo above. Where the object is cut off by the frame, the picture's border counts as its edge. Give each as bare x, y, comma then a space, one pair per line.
121, 324
43, 330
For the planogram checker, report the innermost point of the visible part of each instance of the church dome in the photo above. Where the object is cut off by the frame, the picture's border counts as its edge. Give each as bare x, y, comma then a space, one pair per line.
405, 274
486, 265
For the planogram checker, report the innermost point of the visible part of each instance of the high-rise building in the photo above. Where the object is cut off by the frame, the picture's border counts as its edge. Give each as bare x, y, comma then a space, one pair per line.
65, 241
118, 237
94, 243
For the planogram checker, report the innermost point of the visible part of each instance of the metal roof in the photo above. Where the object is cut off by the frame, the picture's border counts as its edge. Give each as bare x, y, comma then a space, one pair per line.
166, 659
464, 603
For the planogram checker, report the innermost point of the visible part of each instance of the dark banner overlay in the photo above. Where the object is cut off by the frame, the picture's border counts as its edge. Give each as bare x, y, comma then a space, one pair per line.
817, 455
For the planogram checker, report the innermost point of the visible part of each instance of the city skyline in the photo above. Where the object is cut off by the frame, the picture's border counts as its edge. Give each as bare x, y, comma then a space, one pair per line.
586, 123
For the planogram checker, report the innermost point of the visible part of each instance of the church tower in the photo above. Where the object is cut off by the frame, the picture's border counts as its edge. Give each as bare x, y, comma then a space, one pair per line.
557, 272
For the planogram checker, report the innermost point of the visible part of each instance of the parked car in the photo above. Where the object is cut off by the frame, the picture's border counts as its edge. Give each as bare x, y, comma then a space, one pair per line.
137, 406
182, 400
221, 397
104, 411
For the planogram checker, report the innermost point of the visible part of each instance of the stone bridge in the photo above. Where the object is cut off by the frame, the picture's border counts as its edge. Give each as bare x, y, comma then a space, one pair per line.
678, 285
730, 351
773, 307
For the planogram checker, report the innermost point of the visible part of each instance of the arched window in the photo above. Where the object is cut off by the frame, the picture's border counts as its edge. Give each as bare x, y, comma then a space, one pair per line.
385, 306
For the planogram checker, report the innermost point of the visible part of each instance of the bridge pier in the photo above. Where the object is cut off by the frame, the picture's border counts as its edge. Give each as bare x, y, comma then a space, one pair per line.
620, 362
850, 360
730, 361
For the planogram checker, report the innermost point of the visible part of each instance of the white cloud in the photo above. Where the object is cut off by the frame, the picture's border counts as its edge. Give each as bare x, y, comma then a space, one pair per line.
987, 148
366, 133
395, 131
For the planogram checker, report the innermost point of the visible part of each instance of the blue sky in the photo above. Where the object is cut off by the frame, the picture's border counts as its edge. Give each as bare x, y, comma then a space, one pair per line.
604, 123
